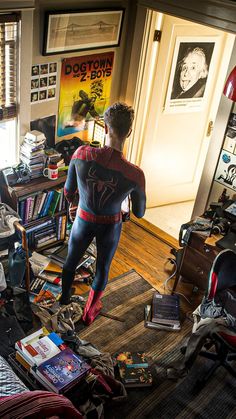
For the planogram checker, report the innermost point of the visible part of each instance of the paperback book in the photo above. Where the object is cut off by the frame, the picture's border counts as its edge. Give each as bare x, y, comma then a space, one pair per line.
62, 372
43, 292
133, 368
165, 309
53, 278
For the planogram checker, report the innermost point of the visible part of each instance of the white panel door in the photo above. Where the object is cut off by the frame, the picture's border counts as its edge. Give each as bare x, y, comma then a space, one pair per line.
175, 140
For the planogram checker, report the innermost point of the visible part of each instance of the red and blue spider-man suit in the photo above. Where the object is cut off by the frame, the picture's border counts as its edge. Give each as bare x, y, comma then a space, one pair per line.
103, 178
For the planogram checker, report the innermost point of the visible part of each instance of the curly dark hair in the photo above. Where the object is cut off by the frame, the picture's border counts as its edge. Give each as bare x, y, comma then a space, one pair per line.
119, 118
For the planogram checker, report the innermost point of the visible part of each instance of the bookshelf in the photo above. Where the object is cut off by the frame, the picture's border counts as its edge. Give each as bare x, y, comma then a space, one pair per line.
42, 207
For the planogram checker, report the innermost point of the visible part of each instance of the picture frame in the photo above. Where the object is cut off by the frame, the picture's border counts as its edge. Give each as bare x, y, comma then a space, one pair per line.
191, 72
226, 170
43, 82
68, 31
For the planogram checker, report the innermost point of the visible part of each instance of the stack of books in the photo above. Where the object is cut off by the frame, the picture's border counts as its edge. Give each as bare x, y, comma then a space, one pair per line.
32, 152
46, 288
46, 358
133, 369
35, 206
164, 313
38, 347
59, 256
40, 204
84, 267
54, 157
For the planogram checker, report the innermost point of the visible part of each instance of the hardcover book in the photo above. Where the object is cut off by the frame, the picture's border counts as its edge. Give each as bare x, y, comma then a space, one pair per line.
131, 359
47, 203
133, 368
158, 326
63, 371
41, 350
54, 202
39, 346
33, 337
22, 361
165, 309
38, 199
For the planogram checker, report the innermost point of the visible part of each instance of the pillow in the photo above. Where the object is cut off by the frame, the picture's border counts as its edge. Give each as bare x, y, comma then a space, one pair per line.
37, 405
10, 384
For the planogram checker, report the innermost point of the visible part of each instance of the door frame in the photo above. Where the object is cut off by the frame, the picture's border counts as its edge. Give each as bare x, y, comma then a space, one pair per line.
220, 14
198, 13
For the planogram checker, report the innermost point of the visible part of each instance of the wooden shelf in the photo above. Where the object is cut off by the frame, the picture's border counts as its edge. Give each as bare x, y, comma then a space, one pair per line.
36, 184
11, 195
42, 219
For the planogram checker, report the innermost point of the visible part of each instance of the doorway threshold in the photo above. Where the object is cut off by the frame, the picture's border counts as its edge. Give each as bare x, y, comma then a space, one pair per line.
156, 231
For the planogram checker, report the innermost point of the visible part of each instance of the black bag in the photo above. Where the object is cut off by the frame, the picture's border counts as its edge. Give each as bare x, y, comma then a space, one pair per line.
68, 147
10, 332
17, 304
16, 266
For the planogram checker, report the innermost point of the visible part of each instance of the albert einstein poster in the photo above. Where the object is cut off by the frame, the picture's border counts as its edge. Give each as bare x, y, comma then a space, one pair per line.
190, 74
84, 91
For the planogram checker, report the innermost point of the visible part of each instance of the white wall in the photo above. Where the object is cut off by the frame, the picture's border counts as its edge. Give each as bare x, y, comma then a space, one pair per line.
39, 110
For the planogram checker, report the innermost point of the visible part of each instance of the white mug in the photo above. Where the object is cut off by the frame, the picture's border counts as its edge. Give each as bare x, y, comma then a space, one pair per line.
51, 172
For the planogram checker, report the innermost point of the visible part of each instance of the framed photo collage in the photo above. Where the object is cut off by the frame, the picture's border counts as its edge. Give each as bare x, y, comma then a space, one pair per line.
43, 82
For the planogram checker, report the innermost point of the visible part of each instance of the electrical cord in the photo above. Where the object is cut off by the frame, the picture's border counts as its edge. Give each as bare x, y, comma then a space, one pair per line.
173, 261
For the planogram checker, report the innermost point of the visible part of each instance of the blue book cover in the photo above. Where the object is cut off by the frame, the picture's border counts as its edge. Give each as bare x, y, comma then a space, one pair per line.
56, 338
47, 203
21, 210
63, 370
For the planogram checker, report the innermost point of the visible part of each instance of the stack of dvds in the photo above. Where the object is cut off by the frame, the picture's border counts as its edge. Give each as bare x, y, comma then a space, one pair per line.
32, 152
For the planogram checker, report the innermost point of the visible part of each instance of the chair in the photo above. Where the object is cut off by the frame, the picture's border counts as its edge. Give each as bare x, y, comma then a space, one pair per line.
218, 303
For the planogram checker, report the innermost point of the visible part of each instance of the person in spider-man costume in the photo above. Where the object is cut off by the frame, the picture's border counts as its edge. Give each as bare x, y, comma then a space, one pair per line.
103, 178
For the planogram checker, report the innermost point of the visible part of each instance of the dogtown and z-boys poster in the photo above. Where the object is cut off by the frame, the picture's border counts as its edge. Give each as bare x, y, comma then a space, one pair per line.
84, 91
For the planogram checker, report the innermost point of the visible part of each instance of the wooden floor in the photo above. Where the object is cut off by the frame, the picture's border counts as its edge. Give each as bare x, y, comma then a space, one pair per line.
148, 255
143, 252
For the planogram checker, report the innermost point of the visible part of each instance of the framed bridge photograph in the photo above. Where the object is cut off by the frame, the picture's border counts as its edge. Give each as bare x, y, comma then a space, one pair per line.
81, 30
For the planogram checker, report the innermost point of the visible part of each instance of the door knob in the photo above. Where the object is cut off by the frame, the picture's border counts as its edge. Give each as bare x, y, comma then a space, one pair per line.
209, 128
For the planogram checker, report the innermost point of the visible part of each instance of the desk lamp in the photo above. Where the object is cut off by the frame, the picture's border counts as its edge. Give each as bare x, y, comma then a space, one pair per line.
99, 131
230, 86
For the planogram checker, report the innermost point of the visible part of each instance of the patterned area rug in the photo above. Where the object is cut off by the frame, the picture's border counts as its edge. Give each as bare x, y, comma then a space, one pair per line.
125, 297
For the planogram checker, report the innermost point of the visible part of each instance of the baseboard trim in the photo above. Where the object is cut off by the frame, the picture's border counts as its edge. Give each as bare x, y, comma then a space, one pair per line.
155, 231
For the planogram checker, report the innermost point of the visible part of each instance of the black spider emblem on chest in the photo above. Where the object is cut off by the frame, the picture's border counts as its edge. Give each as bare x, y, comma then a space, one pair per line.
101, 190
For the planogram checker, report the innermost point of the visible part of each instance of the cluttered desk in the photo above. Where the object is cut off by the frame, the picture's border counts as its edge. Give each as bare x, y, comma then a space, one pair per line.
202, 239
